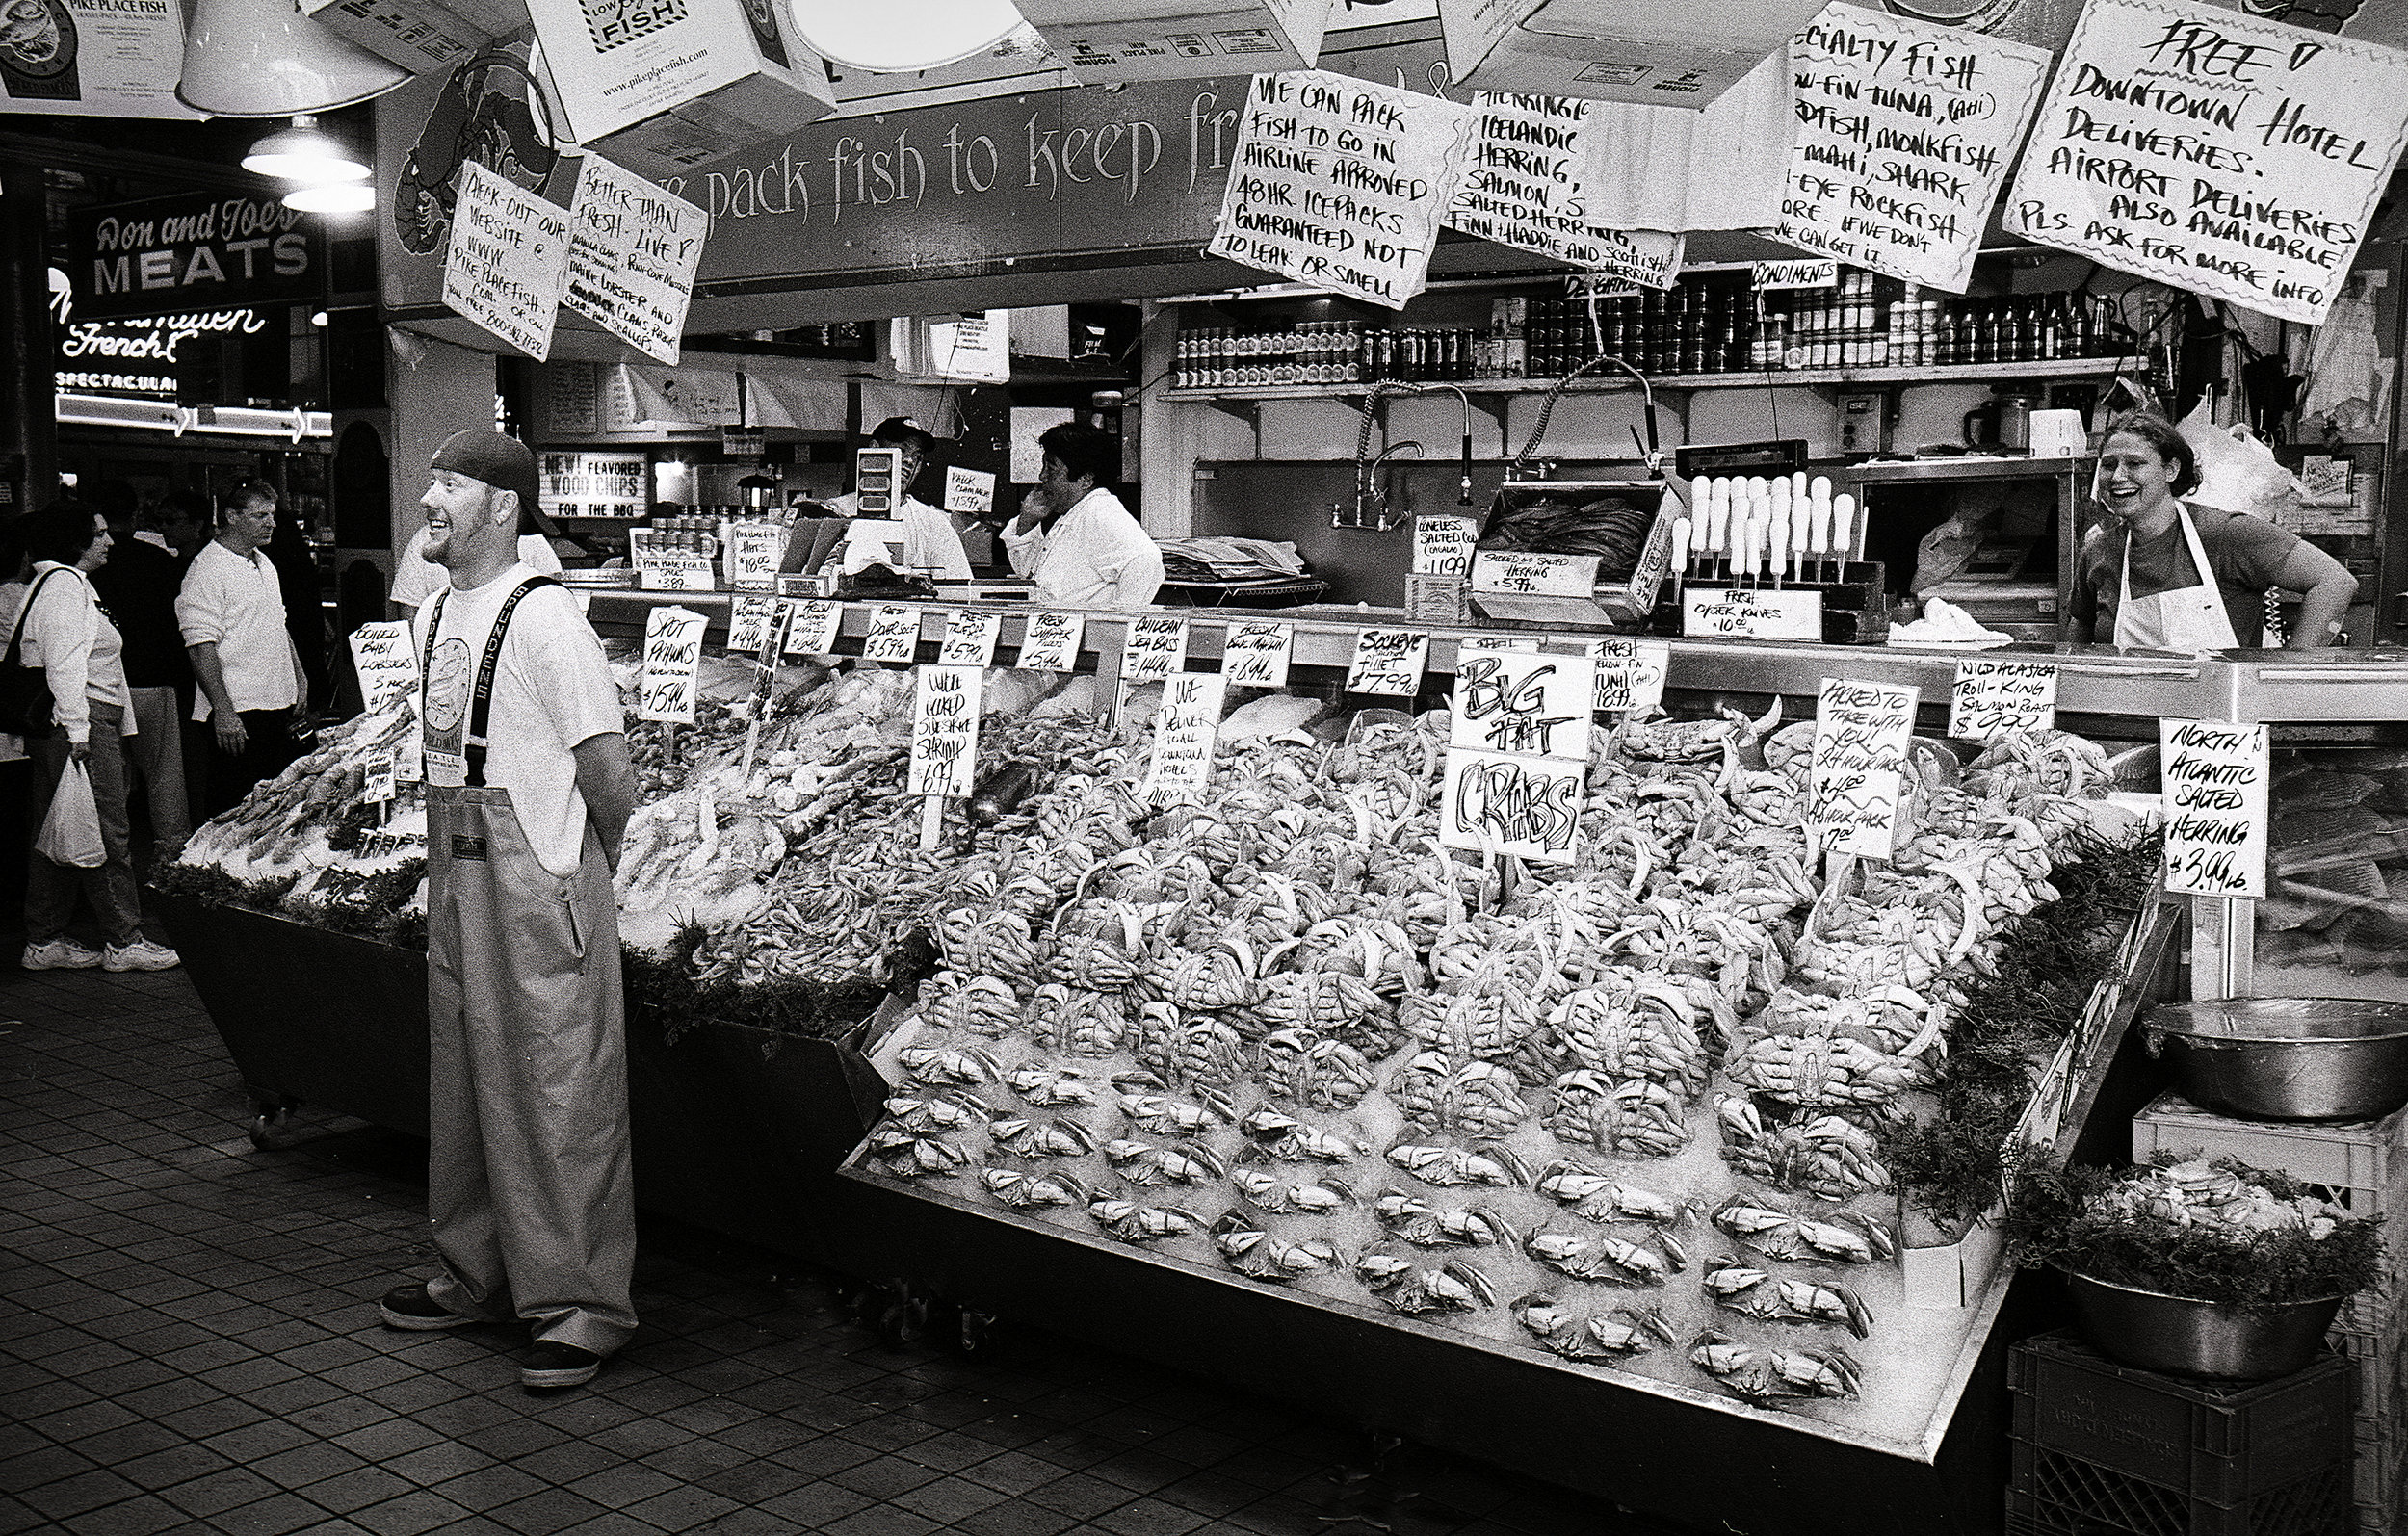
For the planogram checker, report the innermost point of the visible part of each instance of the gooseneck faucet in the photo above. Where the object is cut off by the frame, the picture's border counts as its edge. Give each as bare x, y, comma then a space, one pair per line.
1365, 464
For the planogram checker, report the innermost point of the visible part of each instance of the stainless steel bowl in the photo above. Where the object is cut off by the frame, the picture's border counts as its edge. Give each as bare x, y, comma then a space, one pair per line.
2151, 1331
2287, 1059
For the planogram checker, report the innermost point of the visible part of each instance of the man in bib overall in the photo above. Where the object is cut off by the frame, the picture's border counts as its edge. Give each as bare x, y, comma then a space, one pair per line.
528, 792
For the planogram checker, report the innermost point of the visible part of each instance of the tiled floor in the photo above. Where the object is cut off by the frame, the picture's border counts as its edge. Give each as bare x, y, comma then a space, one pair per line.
189, 1343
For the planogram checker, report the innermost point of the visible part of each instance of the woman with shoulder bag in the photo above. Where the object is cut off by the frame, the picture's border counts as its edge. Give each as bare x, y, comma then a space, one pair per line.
62, 638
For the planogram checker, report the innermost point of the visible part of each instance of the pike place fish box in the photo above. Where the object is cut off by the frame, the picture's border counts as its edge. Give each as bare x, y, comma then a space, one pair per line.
1627, 523
424, 37
662, 85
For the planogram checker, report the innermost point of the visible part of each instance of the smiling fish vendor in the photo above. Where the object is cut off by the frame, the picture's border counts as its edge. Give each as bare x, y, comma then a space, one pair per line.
933, 545
2159, 574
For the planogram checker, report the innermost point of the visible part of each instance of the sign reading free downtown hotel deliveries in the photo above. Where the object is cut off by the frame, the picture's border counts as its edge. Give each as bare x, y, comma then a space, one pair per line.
199, 251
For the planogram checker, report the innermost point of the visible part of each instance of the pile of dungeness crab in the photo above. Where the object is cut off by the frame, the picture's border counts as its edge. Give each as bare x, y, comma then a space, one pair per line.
1626, 1110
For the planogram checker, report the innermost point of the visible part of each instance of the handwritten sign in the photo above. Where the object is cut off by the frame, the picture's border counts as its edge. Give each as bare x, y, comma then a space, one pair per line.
672, 651
2214, 776
812, 624
1157, 647
1996, 698
1649, 668
1051, 642
633, 251
1254, 654
894, 633
508, 260
1474, 644
945, 729
1341, 183
376, 770
969, 490
1526, 572
1524, 186
1861, 734
1443, 543
1433, 599
387, 664
1388, 662
1764, 277
754, 551
409, 760
1904, 132
748, 624
675, 571
970, 637
1186, 727
1751, 614
1529, 807
2214, 151
1522, 702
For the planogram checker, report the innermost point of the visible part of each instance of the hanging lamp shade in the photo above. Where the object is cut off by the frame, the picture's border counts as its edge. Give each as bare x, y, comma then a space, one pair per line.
305, 152
904, 37
263, 58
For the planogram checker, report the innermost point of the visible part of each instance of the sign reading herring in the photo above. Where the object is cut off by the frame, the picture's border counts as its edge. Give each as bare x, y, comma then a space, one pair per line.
194, 251
2236, 158
1340, 183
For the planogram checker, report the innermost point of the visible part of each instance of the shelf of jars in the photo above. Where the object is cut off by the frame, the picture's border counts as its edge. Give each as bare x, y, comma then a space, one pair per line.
1751, 378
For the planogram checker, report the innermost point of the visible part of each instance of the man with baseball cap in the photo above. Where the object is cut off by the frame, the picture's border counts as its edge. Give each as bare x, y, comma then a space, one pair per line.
528, 794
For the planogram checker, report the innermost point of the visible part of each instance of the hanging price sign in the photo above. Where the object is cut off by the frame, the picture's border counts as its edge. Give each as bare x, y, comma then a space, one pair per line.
1522, 702
945, 729
812, 624
749, 622
894, 633
970, 637
1996, 698
1157, 648
1255, 654
1050, 643
1389, 661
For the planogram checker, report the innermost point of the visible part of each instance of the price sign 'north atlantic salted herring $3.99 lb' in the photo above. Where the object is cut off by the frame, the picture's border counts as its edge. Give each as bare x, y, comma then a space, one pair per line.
2214, 151
2214, 777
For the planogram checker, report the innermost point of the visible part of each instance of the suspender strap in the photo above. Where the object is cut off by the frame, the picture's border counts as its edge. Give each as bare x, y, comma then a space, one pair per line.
480, 711
17, 631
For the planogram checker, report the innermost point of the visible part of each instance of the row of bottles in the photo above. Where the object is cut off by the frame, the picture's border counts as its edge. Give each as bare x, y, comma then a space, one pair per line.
1706, 323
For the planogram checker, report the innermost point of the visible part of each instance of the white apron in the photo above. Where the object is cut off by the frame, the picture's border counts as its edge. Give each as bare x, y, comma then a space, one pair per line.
2185, 618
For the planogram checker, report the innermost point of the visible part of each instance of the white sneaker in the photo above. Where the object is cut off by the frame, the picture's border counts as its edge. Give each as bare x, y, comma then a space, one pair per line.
58, 955
140, 955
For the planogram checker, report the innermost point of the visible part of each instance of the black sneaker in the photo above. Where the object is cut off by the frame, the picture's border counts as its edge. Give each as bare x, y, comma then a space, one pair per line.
553, 1364
411, 1306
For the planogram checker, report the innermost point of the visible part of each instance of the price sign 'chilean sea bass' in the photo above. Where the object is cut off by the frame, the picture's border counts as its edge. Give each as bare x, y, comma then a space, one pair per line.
1904, 132
2208, 149
1340, 183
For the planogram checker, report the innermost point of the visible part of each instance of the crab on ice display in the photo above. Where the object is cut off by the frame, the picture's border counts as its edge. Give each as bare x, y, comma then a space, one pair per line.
1624, 1113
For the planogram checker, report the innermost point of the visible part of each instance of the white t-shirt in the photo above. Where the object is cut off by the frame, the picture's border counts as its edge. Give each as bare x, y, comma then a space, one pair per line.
416, 577
552, 689
932, 542
1095, 556
235, 602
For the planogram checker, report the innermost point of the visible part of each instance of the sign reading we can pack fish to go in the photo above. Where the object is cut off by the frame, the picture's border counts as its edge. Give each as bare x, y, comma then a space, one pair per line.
2214, 151
1904, 133
1341, 183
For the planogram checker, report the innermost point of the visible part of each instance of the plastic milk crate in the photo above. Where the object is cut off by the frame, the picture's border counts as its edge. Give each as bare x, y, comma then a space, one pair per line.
2362, 1166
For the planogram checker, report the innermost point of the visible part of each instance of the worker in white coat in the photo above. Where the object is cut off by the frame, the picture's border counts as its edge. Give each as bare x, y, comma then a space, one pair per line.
1073, 538
529, 788
932, 545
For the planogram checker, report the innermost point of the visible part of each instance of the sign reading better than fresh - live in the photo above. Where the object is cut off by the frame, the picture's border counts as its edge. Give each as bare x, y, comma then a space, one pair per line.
1341, 183
2214, 151
632, 255
1904, 132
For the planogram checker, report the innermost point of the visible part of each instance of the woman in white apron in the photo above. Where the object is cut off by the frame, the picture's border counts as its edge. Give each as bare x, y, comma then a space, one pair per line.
2189, 579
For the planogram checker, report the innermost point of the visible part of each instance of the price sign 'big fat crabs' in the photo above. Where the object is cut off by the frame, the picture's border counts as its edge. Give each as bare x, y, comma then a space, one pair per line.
2214, 151
1341, 183
1904, 132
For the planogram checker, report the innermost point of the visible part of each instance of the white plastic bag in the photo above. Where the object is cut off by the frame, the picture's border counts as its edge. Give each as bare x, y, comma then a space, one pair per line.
2237, 472
70, 834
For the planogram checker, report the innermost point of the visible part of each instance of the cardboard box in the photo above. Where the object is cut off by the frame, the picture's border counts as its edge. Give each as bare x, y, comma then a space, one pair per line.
1615, 51
1109, 41
662, 85
425, 37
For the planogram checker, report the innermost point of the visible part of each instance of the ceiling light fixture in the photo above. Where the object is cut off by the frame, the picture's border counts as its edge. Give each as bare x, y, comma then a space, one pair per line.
904, 37
305, 152
263, 58
332, 197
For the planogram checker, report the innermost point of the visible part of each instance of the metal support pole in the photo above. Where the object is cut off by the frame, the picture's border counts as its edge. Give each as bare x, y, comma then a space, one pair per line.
29, 430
